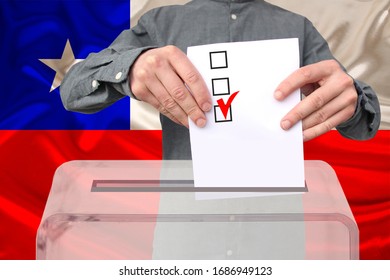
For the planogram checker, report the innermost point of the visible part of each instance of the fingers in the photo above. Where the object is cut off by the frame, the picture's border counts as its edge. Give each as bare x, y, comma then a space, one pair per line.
327, 125
315, 101
310, 74
341, 102
333, 113
167, 79
161, 101
191, 77
178, 99
331, 98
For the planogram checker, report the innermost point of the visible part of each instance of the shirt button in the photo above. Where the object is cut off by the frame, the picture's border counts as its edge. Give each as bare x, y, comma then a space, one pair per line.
229, 253
94, 83
234, 16
118, 75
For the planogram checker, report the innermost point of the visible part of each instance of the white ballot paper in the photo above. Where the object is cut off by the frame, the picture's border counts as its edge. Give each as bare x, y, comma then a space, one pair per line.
243, 145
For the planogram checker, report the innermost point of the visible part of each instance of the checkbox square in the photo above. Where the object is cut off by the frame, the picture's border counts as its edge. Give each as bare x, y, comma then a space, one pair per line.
219, 117
218, 60
220, 86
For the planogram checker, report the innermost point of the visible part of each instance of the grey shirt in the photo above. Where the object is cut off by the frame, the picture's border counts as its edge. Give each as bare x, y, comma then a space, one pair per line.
102, 78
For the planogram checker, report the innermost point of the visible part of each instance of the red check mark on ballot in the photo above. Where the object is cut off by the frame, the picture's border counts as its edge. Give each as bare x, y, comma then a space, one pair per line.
225, 106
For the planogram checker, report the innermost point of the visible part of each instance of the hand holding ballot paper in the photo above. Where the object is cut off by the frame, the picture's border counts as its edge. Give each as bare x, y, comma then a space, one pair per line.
333, 100
167, 68
242, 144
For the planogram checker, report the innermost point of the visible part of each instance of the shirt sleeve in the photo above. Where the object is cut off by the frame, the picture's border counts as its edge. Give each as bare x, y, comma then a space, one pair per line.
365, 122
102, 78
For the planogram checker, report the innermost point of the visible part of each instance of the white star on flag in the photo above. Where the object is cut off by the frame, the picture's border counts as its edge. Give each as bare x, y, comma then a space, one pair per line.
61, 66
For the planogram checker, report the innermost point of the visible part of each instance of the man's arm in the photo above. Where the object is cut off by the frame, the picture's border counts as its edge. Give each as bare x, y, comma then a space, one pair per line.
133, 66
101, 79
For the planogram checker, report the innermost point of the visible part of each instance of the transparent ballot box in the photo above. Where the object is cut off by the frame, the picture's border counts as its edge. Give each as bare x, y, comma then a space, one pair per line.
151, 210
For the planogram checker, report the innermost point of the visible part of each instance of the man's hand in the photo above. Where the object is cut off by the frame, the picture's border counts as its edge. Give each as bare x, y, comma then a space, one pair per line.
331, 98
166, 79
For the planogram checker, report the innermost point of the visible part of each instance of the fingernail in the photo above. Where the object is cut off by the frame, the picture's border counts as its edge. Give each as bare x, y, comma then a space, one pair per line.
200, 122
206, 107
286, 124
278, 94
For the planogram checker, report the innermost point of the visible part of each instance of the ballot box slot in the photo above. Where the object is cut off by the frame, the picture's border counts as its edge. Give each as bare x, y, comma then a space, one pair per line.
176, 186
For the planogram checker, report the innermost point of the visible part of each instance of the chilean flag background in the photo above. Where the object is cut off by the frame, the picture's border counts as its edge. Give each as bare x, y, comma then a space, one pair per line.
37, 135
